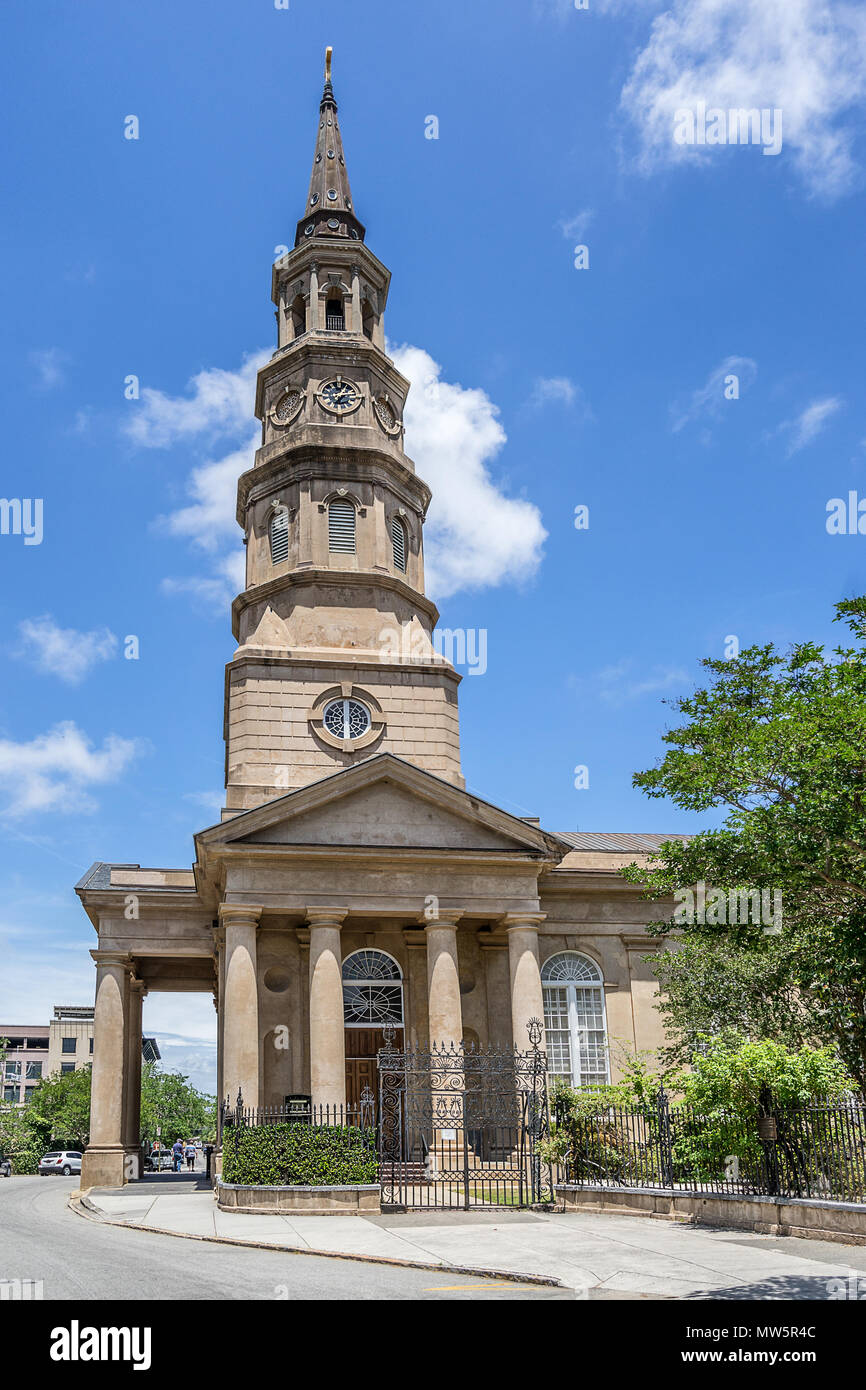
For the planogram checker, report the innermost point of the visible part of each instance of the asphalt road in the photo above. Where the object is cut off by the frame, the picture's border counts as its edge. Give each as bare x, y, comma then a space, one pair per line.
41, 1239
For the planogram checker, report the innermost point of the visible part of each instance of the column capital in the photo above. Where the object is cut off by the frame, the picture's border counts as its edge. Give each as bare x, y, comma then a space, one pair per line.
511, 920
121, 958
445, 917
326, 916
239, 914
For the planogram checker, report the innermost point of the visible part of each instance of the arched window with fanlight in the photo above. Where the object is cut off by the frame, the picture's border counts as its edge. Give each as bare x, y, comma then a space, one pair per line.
398, 543
341, 527
574, 1019
372, 990
278, 532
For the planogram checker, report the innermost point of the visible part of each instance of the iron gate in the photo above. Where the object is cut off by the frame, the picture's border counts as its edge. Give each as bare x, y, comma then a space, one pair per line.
460, 1126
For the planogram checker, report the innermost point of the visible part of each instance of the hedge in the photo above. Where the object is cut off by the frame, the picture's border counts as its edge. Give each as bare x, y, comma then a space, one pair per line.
299, 1155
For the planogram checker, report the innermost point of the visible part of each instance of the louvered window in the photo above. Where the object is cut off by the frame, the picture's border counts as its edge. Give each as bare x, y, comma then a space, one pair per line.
341, 527
398, 540
279, 535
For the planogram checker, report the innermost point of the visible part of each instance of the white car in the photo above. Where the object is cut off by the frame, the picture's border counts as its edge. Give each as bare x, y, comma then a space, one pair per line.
65, 1161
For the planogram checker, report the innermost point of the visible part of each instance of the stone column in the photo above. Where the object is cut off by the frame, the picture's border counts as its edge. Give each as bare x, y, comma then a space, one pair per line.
103, 1163
313, 315
445, 1016
527, 1000
327, 1034
132, 1106
379, 322
240, 1003
356, 299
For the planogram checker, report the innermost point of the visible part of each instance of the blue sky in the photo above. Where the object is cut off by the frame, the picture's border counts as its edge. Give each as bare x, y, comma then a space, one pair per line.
558, 386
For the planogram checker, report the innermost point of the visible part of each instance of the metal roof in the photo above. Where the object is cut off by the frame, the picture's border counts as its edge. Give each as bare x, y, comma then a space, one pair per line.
615, 843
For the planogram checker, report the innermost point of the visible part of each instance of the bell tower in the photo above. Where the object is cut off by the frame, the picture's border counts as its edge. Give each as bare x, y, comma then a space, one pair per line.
335, 660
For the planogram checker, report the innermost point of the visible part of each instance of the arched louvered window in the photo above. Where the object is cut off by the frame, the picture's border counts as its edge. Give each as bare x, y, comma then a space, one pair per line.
574, 1019
279, 536
372, 990
341, 527
398, 541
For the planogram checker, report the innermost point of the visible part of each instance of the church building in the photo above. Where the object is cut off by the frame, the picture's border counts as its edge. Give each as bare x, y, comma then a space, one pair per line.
353, 883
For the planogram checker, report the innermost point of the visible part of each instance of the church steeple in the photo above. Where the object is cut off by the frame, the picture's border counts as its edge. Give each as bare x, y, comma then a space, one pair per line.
330, 209
336, 659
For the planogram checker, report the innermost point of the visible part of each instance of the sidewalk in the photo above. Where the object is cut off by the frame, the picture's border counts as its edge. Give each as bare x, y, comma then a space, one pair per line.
613, 1256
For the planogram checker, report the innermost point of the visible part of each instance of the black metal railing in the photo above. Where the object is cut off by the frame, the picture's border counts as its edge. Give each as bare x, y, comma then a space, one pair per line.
816, 1150
360, 1116
335, 321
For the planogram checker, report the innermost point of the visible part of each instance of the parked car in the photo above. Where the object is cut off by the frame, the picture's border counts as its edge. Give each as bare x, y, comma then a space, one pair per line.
65, 1161
5, 1166
153, 1162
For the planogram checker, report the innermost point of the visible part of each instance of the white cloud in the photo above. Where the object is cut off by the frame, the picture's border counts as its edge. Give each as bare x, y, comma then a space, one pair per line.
209, 520
554, 390
475, 536
63, 651
809, 423
805, 57
54, 770
615, 685
48, 363
710, 397
218, 402
575, 228
216, 590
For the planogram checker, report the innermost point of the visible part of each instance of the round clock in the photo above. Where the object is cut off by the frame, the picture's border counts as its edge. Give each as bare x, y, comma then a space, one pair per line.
340, 396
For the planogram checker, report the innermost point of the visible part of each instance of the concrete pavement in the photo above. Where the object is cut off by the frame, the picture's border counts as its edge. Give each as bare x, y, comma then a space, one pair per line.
72, 1260
593, 1255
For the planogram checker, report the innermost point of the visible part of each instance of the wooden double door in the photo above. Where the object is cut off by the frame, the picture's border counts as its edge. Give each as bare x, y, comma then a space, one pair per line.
362, 1045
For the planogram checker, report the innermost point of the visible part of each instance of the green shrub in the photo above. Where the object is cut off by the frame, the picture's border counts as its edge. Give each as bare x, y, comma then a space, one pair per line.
299, 1155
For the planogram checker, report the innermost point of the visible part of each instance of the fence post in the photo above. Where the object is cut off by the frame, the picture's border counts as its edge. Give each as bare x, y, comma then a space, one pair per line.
768, 1134
666, 1149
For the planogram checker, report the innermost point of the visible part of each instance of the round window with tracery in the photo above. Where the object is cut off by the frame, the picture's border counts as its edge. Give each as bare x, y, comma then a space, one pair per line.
346, 718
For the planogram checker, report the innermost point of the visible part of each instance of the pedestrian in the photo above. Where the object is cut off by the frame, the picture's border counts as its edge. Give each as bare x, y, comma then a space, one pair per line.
177, 1154
190, 1155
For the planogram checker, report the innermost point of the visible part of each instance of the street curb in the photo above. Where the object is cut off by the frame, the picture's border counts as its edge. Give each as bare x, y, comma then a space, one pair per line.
83, 1207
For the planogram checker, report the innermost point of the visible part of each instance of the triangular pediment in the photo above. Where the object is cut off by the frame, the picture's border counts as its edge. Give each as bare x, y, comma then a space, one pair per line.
383, 802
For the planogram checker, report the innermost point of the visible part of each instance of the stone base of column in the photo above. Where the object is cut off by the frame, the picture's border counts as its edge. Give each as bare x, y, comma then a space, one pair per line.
104, 1167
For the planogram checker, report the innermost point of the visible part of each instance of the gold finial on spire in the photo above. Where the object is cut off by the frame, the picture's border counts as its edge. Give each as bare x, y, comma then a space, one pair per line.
328, 52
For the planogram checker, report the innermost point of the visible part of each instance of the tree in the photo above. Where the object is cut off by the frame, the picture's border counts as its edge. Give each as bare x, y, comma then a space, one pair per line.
778, 740
18, 1142
58, 1113
711, 984
169, 1103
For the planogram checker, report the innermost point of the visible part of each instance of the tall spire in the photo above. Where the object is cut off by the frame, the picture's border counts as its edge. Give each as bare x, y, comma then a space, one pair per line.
330, 210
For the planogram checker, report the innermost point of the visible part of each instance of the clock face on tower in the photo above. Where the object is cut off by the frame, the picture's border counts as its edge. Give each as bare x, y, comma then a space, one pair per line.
340, 396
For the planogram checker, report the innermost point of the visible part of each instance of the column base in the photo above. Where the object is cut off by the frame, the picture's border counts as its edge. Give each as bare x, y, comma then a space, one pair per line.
106, 1167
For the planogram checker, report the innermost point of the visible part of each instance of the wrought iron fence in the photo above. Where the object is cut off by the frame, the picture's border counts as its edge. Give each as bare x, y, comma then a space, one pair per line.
816, 1150
461, 1126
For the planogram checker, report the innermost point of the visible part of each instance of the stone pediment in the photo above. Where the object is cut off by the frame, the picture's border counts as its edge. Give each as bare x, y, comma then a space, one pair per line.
383, 802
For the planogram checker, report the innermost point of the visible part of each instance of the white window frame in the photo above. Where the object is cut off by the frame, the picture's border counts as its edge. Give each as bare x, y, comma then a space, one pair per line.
576, 1031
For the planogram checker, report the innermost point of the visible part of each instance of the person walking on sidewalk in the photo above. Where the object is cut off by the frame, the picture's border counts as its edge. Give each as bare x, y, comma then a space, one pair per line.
177, 1154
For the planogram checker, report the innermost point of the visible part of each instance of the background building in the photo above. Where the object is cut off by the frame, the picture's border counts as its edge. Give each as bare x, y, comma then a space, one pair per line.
65, 1044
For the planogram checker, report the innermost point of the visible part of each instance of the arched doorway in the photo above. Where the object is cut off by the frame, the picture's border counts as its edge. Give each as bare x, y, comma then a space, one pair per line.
372, 998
